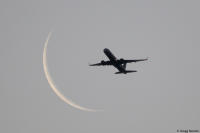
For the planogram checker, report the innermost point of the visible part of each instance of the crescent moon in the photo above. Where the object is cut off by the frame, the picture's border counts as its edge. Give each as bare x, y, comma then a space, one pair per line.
52, 84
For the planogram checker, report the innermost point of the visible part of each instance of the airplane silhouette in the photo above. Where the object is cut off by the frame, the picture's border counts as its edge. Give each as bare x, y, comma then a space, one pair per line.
120, 64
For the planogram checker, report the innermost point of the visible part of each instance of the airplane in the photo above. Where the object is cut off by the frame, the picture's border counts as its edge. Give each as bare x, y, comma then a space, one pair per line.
120, 64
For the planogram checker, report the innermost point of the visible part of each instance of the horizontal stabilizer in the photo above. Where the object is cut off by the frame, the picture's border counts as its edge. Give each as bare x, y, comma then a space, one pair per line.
128, 71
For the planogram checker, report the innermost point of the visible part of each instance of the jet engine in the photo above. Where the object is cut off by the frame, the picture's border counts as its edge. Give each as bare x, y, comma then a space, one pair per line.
121, 60
103, 62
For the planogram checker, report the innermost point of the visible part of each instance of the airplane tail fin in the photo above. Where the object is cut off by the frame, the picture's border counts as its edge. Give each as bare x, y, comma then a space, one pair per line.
127, 71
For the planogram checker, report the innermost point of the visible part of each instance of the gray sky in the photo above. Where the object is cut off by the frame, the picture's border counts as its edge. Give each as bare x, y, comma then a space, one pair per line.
162, 96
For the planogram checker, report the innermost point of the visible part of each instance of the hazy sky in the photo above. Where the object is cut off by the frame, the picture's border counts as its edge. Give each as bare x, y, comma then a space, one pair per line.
162, 96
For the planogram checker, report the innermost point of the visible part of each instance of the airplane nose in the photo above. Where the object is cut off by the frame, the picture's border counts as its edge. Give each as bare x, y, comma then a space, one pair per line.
105, 50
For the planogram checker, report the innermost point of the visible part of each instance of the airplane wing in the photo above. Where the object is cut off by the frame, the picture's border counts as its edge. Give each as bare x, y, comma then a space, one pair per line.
122, 61
102, 63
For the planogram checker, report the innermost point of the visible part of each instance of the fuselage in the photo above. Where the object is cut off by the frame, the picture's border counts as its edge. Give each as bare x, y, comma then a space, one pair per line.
113, 60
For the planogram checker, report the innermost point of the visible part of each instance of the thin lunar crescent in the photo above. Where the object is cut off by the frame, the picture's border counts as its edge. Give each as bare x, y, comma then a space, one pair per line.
53, 86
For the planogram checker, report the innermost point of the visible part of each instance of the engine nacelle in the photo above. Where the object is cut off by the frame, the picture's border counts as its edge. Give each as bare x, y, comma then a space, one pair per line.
122, 60
103, 62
